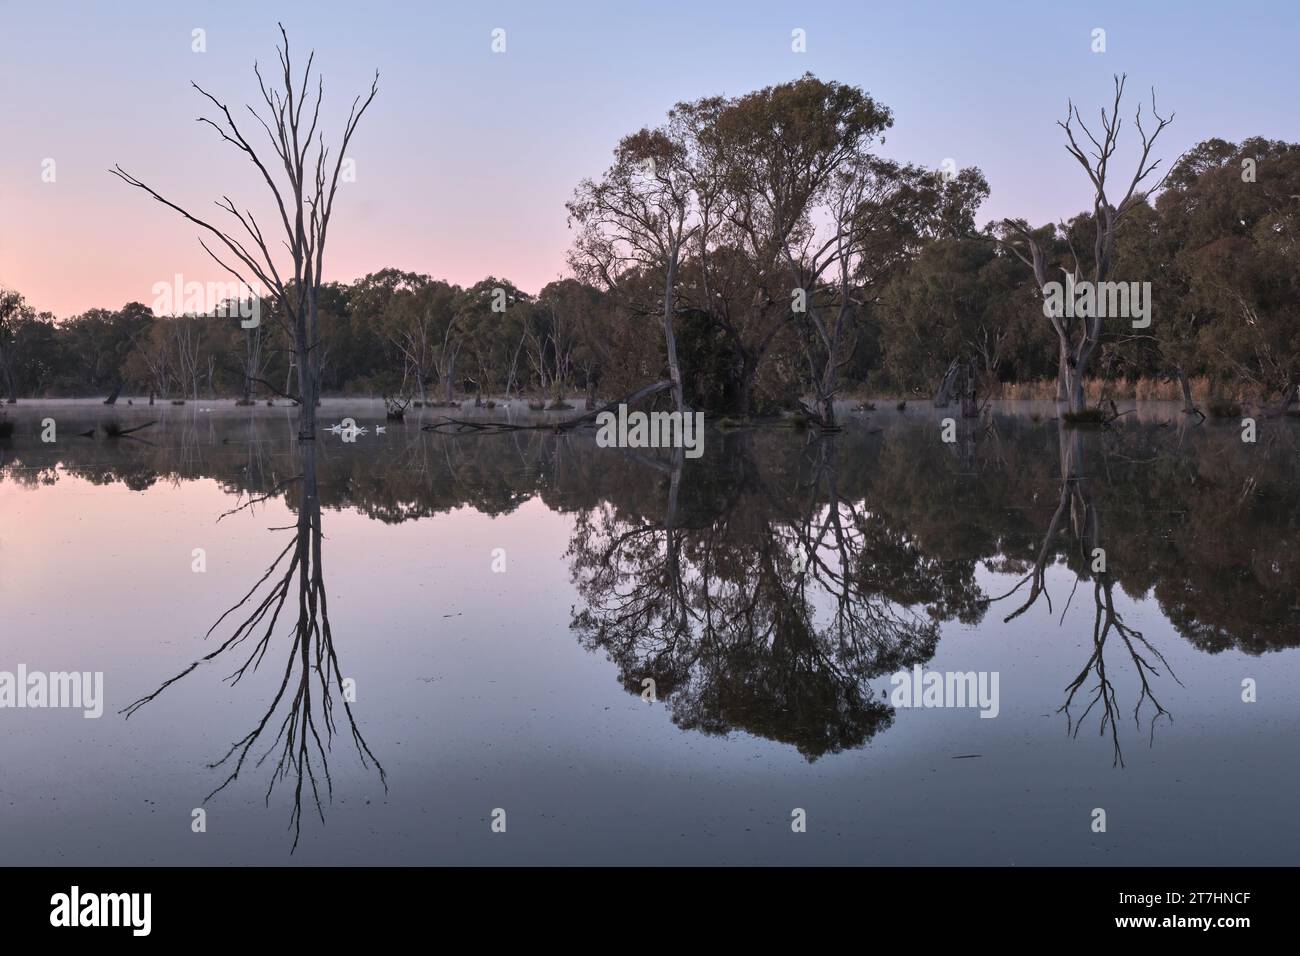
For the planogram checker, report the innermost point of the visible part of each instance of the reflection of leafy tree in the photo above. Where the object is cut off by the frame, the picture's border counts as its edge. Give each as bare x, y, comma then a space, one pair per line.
756, 615
1226, 572
903, 572
1207, 532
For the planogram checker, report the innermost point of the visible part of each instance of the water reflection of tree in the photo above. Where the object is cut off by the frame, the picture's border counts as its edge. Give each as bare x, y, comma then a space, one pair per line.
310, 685
756, 609
1196, 522
1091, 564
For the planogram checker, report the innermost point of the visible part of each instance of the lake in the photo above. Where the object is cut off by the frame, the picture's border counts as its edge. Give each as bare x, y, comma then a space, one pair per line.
420, 639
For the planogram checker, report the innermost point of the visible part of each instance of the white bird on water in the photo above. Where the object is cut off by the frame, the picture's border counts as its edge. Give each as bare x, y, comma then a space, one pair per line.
349, 428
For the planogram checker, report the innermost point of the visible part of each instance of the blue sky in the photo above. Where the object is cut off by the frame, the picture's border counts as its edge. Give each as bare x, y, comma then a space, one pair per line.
464, 164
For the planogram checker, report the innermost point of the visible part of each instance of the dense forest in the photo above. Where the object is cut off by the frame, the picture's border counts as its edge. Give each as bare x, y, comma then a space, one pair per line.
755, 254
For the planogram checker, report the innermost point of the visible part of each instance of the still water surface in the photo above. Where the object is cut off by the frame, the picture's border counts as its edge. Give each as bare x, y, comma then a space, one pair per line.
499, 602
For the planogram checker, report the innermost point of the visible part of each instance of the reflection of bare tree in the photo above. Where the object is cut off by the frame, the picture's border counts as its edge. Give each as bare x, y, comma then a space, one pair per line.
832, 552
302, 739
744, 616
1076, 504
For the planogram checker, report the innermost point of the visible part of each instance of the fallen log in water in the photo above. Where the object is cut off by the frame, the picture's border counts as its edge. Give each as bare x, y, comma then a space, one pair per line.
114, 430
457, 426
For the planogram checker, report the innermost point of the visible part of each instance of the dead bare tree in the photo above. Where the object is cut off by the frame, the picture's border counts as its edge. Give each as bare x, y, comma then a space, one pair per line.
538, 342
445, 360
413, 339
512, 379
304, 201
256, 360
1079, 337
187, 339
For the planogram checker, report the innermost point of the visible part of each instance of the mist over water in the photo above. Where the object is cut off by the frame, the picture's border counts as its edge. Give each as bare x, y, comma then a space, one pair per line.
500, 600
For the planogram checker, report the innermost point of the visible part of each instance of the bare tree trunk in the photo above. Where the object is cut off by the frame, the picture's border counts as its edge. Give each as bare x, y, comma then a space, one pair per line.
969, 387
253, 368
828, 411
829, 376
514, 364
943, 397
670, 339
1188, 405
748, 372
561, 378
11, 378
308, 383
1075, 397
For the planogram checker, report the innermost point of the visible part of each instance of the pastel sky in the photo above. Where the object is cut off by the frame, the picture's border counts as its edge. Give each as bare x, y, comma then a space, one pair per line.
467, 158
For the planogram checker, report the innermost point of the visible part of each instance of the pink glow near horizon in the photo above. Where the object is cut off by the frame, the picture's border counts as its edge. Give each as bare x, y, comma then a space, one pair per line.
467, 159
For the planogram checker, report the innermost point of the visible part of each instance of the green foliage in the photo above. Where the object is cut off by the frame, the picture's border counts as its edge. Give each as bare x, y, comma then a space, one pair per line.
762, 174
